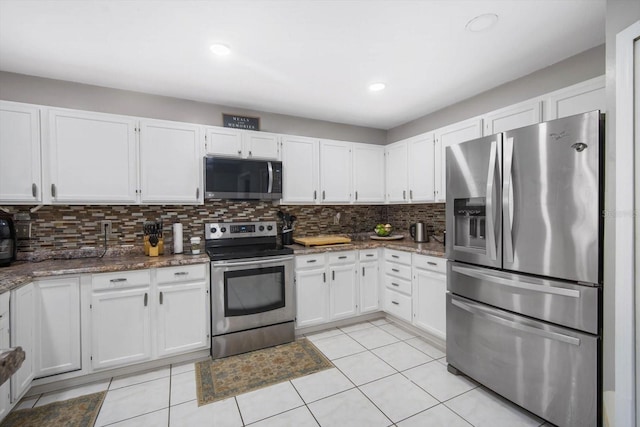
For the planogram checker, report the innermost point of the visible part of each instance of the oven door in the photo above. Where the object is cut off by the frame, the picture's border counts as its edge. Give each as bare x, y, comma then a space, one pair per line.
250, 293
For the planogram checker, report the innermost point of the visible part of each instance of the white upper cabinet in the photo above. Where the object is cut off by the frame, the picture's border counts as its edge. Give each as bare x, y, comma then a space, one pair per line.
335, 171
170, 162
513, 117
92, 157
446, 137
396, 171
421, 164
20, 178
580, 98
300, 169
368, 173
229, 142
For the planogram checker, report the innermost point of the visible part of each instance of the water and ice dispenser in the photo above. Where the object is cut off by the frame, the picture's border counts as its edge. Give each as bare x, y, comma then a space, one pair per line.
470, 223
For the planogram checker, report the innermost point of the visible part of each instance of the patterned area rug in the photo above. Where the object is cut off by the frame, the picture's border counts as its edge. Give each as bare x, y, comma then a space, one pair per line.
222, 378
79, 412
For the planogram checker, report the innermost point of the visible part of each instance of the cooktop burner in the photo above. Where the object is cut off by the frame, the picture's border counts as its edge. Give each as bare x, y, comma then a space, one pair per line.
225, 241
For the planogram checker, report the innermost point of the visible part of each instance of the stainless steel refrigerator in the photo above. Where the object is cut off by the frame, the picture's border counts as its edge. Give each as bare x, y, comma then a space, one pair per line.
524, 243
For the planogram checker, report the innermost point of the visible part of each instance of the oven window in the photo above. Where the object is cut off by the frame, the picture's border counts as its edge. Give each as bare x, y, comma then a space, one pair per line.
253, 291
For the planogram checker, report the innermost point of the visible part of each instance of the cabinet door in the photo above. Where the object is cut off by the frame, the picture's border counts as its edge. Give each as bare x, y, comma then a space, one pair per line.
343, 291
120, 324
5, 342
170, 162
260, 145
335, 171
429, 302
445, 137
368, 173
20, 179
312, 297
300, 164
421, 165
92, 157
22, 334
369, 287
57, 330
224, 142
513, 117
183, 318
396, 172
580, 98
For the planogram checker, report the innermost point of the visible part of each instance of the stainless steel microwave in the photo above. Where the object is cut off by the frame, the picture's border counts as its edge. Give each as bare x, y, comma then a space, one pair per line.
241, 179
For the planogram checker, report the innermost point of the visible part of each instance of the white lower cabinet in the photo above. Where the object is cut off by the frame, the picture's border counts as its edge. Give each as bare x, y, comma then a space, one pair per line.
5, 342
326, 288
429, 293
121, 327
397, 281
22, 334
57, 326
369, 279
182, 315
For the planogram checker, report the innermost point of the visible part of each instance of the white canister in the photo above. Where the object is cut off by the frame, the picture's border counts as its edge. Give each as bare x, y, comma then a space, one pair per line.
177, 238
195, 245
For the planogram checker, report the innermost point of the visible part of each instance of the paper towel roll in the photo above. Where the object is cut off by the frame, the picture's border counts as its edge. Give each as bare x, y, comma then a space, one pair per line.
177, 238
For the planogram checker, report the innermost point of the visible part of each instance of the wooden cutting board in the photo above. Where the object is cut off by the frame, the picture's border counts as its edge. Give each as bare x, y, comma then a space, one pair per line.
321, 240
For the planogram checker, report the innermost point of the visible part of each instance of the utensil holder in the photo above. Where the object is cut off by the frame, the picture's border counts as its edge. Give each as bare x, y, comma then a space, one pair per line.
287, 237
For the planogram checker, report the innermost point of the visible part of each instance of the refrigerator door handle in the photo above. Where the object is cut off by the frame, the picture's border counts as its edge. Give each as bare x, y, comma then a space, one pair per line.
491, 236
507, 200
492, 315
529, 285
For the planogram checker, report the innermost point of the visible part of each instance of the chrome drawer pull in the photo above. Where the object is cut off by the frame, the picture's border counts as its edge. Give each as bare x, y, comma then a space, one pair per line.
369, 255
117, 280
161, 298
181, 273
146, 298
432, 263
342, 257
394, 302
311, 260
395, 270
395, 284
395, 256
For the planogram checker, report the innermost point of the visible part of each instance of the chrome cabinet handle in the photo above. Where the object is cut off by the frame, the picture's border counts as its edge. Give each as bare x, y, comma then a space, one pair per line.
395, 256
198, 193
53, 190
411, 194
324, 277
250, 153
342, 257
333, 275
369, 255
432, 263
34, 190
161, 298
239, 152
356, 195
315, 194
395, 302
404, 194
362, 271
181, 273
146, 299
311, 260
323, 195
395, 284
120, 280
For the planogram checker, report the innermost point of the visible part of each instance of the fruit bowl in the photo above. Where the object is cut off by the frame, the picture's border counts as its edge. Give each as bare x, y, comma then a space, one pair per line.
383, 230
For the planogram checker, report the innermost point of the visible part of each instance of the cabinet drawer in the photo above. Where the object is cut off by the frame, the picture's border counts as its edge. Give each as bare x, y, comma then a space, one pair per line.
186, 273
397, 284
309, 261
342, 257
398, 270
368, 254
122, 279
430, 263
397, 256
397, 304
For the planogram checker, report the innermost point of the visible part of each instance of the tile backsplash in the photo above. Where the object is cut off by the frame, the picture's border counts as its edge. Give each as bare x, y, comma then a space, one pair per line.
64, 228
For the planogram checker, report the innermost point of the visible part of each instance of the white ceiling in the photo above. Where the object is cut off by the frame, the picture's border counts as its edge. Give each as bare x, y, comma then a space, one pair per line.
303, 58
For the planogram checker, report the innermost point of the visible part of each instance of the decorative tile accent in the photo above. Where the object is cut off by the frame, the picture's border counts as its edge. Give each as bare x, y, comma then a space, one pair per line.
63, 228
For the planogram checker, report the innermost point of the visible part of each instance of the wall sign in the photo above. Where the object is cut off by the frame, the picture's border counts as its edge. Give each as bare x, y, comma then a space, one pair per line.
240, 122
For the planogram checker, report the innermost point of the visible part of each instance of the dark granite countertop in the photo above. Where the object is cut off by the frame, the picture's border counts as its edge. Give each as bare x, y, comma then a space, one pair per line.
21, 273
431, 248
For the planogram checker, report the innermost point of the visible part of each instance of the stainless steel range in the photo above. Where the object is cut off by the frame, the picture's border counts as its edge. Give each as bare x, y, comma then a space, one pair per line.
252, 301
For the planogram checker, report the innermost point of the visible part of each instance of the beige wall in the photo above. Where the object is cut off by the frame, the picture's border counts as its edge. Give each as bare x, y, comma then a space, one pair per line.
578, 68
58, 93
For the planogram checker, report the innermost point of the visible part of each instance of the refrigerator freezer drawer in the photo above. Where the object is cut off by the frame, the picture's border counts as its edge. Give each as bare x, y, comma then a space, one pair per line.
548, 370
564, 303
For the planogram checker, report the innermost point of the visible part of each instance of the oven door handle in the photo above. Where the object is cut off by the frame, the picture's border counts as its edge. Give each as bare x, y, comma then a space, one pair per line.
253, 261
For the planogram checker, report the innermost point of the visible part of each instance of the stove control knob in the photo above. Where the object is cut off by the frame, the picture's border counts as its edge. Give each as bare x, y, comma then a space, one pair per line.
261, 228
269, 227
213, 230
223, 229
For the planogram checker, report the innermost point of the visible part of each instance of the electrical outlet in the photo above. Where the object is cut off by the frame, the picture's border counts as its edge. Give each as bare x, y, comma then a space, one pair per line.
105, 226
23, 230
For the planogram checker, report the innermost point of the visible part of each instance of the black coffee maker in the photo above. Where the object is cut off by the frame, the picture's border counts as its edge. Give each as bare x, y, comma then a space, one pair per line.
8, 242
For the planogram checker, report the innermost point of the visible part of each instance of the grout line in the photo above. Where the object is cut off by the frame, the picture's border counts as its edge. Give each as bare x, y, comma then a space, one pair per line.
305, 403
239, 411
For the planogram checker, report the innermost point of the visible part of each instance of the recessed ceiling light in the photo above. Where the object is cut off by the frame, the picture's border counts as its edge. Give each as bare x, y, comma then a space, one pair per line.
482, 22
220, 49
376, 87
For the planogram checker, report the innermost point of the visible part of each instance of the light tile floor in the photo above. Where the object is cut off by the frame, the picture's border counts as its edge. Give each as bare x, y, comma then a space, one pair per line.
384, 376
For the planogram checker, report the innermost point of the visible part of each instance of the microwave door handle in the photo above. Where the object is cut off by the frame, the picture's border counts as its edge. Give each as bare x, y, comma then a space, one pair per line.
270, 168
507, 200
